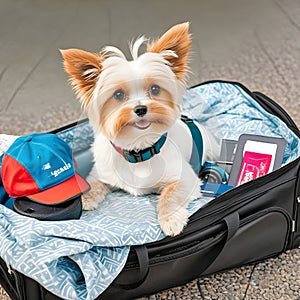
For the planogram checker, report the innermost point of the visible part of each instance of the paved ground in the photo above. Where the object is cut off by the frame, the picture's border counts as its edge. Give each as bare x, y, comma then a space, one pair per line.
255, 42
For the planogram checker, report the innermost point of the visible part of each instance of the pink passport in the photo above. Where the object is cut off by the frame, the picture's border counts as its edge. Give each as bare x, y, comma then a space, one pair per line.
253, 166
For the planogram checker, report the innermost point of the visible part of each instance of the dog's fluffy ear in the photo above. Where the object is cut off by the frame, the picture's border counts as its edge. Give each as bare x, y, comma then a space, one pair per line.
176, 41
84, 69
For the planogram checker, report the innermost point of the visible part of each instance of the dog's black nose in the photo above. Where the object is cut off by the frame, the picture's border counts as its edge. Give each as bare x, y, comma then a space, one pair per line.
140, 110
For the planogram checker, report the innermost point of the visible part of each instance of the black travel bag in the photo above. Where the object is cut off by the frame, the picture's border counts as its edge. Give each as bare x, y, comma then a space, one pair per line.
248, 224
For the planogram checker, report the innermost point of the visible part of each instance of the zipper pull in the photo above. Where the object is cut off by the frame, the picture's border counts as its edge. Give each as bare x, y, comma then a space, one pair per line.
293, 226
9, 269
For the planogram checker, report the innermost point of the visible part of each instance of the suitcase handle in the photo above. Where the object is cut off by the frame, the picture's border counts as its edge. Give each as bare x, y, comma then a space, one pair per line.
232, 222
143, 259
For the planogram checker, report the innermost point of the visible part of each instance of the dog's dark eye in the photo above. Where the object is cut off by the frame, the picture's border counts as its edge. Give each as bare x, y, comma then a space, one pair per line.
119, 95
154, 90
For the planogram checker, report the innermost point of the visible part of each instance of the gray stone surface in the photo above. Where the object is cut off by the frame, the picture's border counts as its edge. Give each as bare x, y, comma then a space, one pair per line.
255, 42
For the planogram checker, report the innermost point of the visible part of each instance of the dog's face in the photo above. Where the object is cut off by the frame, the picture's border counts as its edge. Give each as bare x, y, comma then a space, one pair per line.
132, 101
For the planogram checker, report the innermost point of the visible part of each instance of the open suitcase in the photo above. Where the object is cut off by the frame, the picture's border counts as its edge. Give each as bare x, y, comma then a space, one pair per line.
247, 224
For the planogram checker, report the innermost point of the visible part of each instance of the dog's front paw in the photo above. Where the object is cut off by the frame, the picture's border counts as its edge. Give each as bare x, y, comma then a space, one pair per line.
90, 203
92, 199
173, 224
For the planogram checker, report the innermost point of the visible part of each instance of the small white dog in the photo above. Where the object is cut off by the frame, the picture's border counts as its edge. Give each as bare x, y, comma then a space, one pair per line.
141, 145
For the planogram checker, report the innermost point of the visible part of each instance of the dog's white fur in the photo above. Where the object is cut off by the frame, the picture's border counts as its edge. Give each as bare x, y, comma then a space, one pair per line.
97, 78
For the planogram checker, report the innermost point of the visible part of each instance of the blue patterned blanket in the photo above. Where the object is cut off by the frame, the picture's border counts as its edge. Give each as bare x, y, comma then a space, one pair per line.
78, 259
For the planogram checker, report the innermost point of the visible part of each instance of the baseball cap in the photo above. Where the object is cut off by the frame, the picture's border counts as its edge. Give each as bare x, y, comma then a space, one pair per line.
40, 167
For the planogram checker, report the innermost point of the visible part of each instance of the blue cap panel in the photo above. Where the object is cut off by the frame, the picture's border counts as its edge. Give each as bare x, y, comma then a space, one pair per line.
46, 157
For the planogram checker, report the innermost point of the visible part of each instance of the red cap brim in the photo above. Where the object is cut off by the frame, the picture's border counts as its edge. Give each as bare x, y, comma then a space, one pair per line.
62, 192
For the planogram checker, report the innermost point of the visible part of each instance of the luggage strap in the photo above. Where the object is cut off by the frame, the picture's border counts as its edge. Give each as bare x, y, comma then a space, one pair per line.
232, 222
197, 151
143, 260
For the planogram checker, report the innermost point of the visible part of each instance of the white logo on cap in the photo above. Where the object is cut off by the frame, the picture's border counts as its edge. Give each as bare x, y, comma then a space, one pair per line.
56, 172
46, 166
